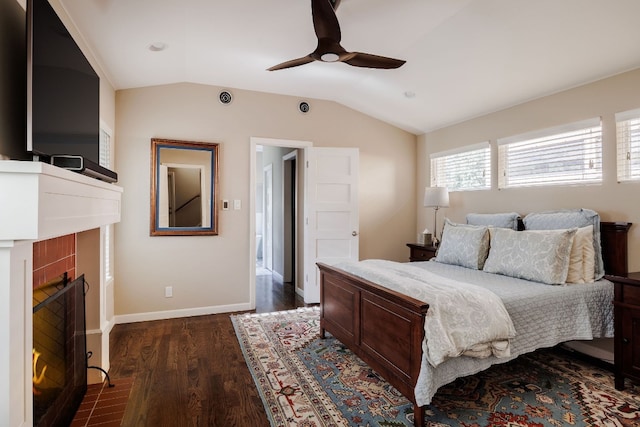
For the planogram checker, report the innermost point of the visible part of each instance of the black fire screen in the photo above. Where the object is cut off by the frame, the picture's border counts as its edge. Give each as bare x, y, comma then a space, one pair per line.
59, 352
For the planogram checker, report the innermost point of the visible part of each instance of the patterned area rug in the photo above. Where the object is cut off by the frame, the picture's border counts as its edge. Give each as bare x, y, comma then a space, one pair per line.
307, 381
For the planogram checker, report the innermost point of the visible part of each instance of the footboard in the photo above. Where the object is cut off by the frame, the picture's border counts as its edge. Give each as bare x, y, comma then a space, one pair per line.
383, 327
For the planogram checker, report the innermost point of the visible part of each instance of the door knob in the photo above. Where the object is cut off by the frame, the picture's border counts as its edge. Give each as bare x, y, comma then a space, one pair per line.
354, 233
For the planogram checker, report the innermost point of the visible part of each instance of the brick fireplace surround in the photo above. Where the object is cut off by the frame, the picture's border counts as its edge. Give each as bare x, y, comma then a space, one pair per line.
52, 258
51, 221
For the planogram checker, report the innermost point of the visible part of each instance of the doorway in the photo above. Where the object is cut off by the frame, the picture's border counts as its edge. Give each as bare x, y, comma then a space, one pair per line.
327, 203
290, 215
277, 204
285, 156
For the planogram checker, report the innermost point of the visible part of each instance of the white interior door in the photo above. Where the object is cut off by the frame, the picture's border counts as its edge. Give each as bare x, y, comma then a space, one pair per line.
267, 227
331, 210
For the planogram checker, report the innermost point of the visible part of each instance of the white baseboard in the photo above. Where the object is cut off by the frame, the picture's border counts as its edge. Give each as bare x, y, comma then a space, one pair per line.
300, 292
187, 312
104, 329
277, 276
94, 332
108, 326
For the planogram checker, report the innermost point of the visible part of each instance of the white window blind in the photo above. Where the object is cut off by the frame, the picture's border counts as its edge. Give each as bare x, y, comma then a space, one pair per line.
628, 142
564, 155
105, 161
108, 253
463, 169
105, 147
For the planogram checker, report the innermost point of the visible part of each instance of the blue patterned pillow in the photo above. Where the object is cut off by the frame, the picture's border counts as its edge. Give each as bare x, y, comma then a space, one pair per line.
501, 220
570, 218
541, 256
464, 245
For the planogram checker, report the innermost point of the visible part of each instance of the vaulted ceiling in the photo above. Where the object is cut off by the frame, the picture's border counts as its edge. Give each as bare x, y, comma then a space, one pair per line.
465, 58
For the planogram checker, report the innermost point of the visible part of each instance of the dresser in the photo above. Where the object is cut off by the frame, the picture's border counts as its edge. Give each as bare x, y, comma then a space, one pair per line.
420, 252
627, 327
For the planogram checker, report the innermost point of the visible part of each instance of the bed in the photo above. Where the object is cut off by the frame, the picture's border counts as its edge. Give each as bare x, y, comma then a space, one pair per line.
386, 327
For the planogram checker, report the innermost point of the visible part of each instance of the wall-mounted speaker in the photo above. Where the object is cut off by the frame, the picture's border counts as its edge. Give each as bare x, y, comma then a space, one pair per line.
304, 107
225, 97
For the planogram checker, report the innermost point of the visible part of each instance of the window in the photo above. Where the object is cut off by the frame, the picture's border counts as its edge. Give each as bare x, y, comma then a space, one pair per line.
105, 161
108, 253
463, 169
563, 155
628, 141
105, 146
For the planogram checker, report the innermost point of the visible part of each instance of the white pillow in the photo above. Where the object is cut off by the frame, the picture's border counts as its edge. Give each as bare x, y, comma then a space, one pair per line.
566, 219
582, 243
540, 256
502, 220
588, 264
464, 245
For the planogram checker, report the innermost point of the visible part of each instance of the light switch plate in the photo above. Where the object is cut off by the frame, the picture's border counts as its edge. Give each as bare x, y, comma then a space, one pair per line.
225, 205
237, 205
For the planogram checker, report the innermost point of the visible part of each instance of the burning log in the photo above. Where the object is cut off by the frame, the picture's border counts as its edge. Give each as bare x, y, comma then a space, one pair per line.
37, 379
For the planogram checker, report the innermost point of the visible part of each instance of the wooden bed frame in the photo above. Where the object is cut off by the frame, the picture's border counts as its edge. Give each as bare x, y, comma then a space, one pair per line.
386, 328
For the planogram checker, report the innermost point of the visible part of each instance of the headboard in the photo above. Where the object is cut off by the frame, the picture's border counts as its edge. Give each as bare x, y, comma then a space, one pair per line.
613, 239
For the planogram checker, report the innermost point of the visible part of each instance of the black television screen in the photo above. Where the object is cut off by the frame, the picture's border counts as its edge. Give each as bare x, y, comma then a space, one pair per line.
13, 81
63, 90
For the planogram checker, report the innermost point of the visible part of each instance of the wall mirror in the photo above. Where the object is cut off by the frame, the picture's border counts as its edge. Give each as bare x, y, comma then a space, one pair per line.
184, 188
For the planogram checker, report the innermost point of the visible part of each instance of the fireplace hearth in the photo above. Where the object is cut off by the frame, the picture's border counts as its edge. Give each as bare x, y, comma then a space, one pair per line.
59, 351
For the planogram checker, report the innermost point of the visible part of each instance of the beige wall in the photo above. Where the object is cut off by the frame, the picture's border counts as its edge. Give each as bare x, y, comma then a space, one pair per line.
212, 272
614, 201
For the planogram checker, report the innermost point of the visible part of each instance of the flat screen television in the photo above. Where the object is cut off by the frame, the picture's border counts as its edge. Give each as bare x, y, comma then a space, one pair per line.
63, 94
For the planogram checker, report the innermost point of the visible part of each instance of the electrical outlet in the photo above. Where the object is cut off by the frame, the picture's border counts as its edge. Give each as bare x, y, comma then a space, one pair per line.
168, 292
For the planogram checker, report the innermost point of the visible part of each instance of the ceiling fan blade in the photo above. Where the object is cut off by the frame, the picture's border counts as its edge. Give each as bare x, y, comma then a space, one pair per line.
292, 63
325, 21
368, 60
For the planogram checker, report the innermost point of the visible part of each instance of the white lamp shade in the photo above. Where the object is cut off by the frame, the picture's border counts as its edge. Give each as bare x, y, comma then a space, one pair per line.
436, 197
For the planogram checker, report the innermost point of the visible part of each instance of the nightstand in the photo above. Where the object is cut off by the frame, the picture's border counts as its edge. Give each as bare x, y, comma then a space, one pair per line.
421, 252
627, 327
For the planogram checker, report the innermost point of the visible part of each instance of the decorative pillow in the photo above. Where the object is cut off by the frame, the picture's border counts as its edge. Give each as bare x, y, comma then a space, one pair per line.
464, 245
588, 264
581, 243
501, 220
570, 218
541, 256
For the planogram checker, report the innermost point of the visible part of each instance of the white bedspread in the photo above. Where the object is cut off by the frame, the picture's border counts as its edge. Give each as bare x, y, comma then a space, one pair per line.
462, 318
543, 316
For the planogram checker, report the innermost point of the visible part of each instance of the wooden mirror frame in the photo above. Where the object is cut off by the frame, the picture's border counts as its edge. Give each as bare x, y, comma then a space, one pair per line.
209, 183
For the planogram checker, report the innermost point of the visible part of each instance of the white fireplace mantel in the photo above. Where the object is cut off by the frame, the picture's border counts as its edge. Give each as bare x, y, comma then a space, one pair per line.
37, 201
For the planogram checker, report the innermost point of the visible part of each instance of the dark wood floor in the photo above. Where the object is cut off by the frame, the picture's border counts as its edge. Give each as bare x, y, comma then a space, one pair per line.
190, 371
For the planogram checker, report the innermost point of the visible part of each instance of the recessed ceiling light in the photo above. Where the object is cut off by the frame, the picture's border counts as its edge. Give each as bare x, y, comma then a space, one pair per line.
157, 47
409, 94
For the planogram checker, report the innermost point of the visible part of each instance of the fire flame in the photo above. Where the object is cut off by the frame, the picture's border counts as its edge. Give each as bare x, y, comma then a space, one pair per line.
37, 379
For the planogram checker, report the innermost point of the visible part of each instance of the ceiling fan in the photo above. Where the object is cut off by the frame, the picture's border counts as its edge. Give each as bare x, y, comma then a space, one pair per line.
329, 49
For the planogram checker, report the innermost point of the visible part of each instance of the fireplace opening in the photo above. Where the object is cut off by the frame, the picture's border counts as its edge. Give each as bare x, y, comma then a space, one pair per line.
59, 351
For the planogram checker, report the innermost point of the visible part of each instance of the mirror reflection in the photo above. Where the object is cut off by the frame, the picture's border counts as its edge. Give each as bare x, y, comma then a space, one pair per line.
184, 179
